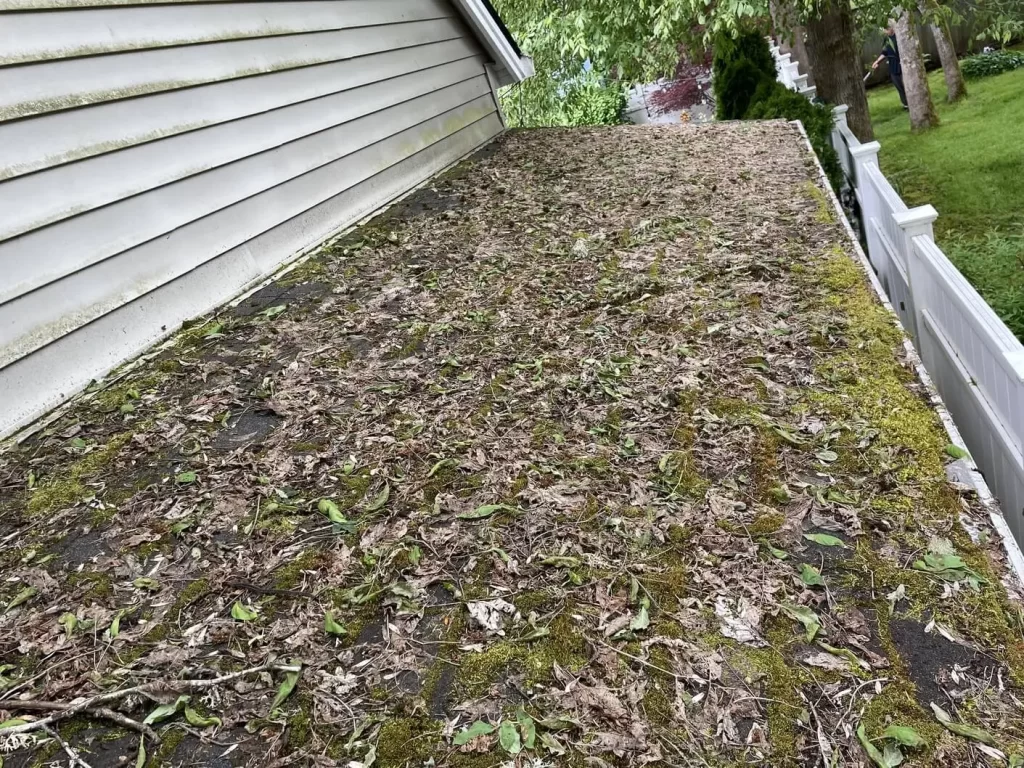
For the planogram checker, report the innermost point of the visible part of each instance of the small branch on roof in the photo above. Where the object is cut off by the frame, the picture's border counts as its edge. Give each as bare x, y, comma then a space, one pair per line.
101, 712
71, 752
154, 690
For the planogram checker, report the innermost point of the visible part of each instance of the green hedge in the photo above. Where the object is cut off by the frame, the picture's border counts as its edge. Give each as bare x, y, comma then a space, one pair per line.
738, 66
746, 88
995, 63
592, 102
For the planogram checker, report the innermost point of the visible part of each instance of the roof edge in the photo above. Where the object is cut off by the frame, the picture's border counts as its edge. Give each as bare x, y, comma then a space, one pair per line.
492, 32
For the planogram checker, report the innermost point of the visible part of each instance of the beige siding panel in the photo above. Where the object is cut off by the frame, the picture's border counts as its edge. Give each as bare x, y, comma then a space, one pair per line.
157, 158
44, 255
34, 89
30, 386
49, 5
49, 35
60, 137
39, 199
57, 308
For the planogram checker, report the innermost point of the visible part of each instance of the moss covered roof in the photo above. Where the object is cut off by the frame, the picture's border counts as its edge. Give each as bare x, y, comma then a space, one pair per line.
598, 450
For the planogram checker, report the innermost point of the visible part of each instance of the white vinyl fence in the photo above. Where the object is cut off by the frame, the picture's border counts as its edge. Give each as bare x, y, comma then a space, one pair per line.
976, 363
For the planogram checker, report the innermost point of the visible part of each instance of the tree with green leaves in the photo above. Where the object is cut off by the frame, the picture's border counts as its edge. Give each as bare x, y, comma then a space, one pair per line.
639, 41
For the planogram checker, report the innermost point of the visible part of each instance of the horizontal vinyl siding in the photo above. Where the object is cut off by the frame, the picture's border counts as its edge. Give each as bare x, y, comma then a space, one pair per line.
26, 37
47, 86
127, 214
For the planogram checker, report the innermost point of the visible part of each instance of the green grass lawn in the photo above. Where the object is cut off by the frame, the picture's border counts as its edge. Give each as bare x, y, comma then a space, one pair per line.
971, 168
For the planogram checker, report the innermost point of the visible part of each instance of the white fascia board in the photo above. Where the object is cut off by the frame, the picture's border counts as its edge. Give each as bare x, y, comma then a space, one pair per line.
512, 68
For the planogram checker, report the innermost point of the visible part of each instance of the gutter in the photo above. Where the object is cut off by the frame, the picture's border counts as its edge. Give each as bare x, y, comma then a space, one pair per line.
511, 66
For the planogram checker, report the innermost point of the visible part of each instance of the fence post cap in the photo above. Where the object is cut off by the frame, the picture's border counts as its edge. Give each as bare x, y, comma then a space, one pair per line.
923, 214
842, 109
867, 149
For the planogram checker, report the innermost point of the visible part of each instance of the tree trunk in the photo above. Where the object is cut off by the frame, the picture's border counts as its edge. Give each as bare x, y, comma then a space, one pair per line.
955, 87
791, 35
835, 61
915, 79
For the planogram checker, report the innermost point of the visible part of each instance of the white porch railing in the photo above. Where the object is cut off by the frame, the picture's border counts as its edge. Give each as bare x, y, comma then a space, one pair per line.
974, 360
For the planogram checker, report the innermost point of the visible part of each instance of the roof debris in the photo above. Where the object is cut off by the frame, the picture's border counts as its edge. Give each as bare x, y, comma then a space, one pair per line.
597, 451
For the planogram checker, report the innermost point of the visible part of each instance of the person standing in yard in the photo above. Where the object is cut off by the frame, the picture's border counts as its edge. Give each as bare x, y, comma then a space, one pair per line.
891, 54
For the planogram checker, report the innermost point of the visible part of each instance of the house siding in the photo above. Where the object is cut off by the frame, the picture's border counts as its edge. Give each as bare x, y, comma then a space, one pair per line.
157, 159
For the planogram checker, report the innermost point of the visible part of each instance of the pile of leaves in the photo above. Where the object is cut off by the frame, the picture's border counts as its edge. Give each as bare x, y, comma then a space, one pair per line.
993, 63
590, 452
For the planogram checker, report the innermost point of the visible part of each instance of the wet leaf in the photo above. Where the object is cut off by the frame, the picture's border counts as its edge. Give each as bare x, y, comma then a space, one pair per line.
827, 456
845, 653
69, 621
23, 596
416, 554
486, 511
332, 627
271, 312
876, 756
527, 728
329, 508
199, 721
778, 554
535, 634
477, 729
825, 540
165, 711
810, 576
805, 616
642, 620
146, 583
957, 452
961, 729
553, 745
115, 624
380, 499
442, 464
509, 739
905, 735
291, 679
184, 478
243, 612
403, 589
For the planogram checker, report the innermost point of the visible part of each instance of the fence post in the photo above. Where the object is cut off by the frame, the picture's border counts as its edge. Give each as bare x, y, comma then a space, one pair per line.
856, 159
916, 222
860, 156
784, 69
794, 73
838, 123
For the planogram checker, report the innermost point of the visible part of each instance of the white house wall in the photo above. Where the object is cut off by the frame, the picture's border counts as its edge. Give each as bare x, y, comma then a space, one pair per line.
157, 159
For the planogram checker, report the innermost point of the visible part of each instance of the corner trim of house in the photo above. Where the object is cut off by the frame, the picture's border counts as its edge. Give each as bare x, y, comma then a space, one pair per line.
493, 80
975, 479
512, 68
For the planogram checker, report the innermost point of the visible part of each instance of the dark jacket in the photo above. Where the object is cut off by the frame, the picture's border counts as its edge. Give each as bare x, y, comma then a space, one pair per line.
891, 52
